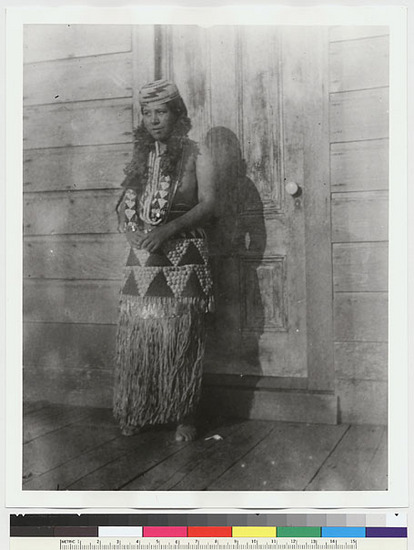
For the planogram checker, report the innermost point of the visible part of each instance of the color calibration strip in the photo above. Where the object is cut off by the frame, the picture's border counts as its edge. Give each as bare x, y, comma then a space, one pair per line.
211, 532
178, 526
255, 532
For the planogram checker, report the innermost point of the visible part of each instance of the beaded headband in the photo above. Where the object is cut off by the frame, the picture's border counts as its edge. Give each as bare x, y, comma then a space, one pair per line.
160, 91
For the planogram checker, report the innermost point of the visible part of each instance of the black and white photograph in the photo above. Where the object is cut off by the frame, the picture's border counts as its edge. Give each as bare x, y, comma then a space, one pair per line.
205, 258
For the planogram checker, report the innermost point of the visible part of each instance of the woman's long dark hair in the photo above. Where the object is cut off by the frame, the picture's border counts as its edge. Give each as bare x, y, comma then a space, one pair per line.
136, 171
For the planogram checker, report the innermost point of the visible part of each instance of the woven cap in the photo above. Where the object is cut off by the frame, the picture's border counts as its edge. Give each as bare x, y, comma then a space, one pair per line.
160, 91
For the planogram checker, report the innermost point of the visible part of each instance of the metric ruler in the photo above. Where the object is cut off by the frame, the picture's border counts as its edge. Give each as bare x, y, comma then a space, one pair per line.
130, 543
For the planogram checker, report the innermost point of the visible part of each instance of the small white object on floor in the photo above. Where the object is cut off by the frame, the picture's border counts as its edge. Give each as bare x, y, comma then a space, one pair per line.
216, 437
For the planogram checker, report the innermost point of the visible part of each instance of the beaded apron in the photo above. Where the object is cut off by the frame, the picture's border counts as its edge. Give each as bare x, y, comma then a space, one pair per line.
179, 270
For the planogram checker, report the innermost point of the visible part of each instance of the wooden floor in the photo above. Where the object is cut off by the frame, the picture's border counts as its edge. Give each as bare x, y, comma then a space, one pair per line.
67, 448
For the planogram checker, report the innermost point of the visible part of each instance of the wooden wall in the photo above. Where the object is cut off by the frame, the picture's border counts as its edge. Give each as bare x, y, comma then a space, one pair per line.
79, 101
358, 97
79, 86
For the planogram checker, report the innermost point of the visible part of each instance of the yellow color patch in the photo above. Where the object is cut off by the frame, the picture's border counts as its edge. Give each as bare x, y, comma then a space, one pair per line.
253, 532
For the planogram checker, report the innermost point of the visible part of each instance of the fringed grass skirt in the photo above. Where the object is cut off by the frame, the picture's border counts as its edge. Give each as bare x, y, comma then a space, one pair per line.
161, 333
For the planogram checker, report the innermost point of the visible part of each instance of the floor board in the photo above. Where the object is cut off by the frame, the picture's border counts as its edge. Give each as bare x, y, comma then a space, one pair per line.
168, 473
56, 448
347, 467
80, 467
376, 477
222, 457
48, 420
34, 406
152, 447
285, 461
82, 449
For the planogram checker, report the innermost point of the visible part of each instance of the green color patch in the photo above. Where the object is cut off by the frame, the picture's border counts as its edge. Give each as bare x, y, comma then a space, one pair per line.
295, 532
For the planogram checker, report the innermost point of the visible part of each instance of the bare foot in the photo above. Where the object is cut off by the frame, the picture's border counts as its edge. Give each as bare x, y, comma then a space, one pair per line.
185, 432
130, 430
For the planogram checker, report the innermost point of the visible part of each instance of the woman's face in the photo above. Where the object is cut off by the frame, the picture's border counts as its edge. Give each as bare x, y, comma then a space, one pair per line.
158, 120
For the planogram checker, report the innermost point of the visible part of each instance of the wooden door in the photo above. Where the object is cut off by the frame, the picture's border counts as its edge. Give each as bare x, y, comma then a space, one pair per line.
248, 90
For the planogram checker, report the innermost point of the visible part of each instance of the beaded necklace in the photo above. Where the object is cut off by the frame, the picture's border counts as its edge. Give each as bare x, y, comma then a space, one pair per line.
155, 203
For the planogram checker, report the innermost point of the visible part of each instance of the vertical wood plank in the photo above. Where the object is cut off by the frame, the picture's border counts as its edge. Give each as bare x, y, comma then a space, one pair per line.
317, 216
190, 69
224, 107
289, 66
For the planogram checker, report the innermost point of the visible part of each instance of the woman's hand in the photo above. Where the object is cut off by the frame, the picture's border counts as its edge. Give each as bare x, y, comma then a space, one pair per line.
156, 237
135, 238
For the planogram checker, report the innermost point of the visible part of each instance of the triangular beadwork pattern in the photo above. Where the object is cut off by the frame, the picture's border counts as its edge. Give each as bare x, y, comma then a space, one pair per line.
175, 249
192, 256
177, 278
157, 259
132, 259
159, 287
192, 288
204, 276
144, 277
130, 287
202, 248
142, 255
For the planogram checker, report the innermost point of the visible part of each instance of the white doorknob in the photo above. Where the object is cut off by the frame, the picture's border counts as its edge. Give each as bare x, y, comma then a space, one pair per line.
292, 188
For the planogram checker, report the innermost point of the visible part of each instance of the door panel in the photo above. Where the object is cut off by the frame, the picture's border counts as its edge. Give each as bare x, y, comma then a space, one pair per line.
261, 131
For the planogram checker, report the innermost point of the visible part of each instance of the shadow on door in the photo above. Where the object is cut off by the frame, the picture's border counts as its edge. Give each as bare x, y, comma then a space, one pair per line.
237, 241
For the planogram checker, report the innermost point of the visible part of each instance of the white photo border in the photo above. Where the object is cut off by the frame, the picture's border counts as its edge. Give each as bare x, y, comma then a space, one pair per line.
393, 16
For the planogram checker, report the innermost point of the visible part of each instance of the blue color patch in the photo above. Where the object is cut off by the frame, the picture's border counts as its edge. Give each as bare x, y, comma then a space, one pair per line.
344, 532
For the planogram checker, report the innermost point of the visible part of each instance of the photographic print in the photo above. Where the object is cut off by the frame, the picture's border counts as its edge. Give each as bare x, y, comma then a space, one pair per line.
205, 258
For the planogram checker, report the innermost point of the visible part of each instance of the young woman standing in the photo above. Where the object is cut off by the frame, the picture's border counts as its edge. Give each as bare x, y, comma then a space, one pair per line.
167, 289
